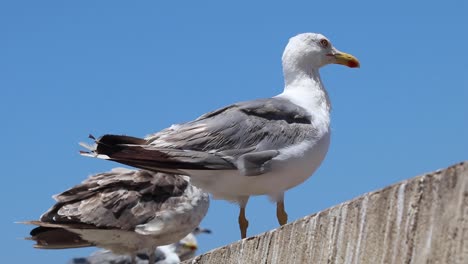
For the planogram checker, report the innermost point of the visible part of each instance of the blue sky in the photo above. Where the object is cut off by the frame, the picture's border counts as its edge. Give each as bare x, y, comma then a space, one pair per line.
70, 68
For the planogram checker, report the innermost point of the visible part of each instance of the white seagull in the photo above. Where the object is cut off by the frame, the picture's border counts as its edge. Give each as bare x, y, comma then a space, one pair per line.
126, 211
259, 147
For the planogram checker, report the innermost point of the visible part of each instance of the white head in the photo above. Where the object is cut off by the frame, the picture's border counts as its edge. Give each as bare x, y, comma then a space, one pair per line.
187, 246
307, 52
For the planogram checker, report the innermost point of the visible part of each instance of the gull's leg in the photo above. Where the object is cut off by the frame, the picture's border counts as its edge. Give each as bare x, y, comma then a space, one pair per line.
133, 261
280, 212
152, 257
243, 222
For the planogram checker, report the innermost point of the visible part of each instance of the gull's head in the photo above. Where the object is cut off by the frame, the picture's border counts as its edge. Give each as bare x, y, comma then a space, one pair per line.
310, 51
186, 247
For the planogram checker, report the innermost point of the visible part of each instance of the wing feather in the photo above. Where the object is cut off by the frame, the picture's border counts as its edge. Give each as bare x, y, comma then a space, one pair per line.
116, 199
216, 140
265, 124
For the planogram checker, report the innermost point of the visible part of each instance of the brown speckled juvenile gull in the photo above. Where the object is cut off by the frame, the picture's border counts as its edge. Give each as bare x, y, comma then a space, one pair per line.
257, 147
125, 211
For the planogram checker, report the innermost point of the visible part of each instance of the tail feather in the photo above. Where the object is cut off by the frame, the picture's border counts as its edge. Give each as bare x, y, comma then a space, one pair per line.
53, 236
57, 238
137, 153
109, 144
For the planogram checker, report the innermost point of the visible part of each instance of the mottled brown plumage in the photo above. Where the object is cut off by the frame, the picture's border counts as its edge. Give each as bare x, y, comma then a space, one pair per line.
117, 199
126, 211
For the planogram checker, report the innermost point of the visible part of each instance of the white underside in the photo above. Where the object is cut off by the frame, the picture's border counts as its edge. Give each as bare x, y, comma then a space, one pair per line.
290, 168
127, 242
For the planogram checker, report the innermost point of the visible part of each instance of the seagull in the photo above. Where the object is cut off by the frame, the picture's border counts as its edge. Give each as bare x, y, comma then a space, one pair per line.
187, 246
125, 211
174, 253
259, 147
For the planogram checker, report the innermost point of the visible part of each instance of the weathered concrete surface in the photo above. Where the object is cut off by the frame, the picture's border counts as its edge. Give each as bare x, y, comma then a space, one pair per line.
421, 220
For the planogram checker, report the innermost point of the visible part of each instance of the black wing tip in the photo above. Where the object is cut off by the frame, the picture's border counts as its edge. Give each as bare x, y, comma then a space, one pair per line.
110, 144
110, 139
56, 238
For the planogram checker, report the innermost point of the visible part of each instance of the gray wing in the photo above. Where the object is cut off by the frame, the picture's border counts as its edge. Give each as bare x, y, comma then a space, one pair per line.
266, 124
244, 136
120, 199
248, 133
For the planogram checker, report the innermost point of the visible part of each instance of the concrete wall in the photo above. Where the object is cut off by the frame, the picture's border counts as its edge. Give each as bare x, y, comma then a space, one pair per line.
421, 220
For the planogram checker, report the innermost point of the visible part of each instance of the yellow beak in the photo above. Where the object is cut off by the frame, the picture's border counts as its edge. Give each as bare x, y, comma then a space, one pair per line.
191, 246
346, 59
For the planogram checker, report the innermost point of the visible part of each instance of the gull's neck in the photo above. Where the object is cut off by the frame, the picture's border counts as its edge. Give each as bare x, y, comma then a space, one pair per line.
305, 88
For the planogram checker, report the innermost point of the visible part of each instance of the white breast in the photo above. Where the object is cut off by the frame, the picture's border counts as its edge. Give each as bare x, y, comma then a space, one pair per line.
293, 166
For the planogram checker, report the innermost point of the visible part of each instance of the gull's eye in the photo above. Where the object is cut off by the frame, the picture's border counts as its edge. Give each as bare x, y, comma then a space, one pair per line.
324, 43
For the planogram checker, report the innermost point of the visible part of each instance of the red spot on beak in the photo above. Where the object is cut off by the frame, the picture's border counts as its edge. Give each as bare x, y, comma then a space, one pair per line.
353, 64
193, 247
